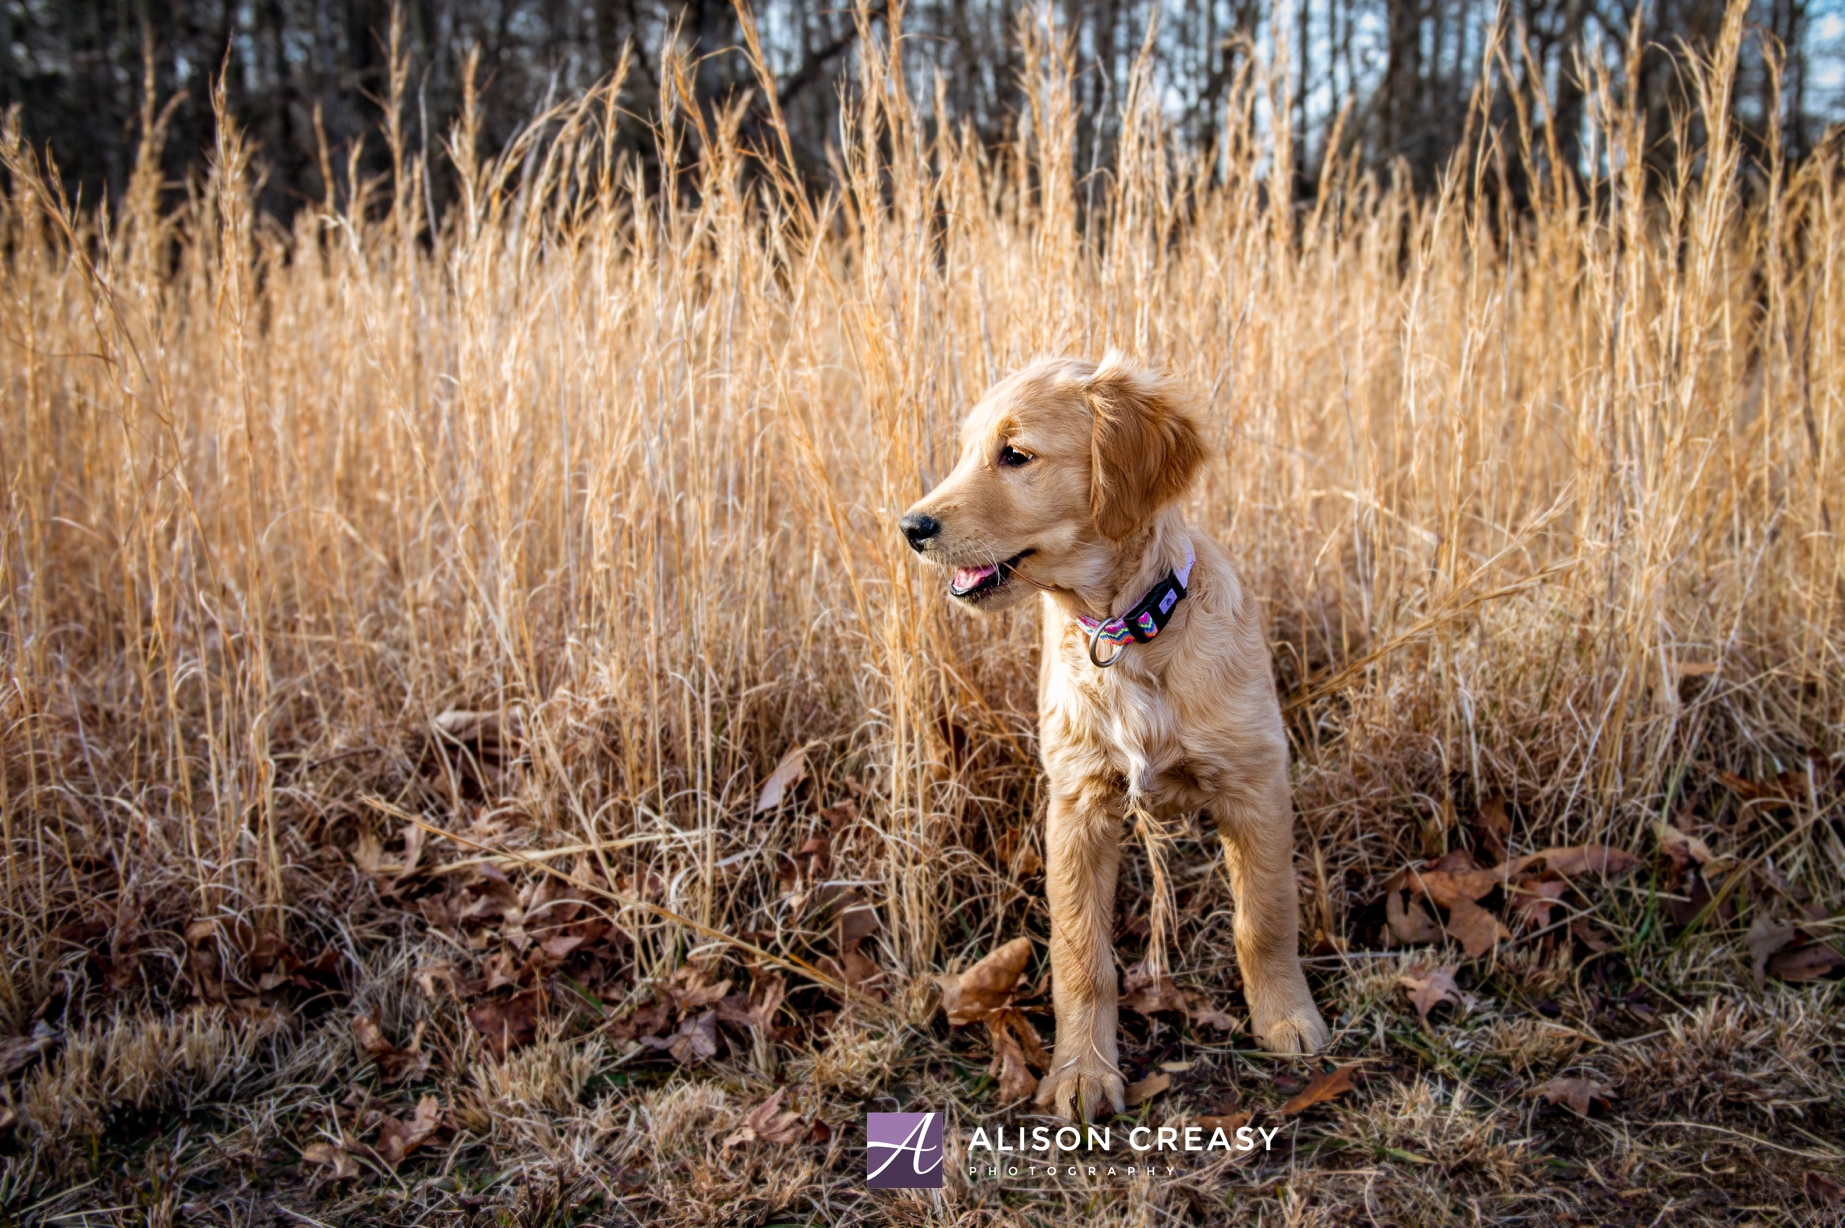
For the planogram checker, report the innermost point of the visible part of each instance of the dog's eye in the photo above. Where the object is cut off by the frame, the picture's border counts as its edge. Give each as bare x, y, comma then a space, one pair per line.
1012, 458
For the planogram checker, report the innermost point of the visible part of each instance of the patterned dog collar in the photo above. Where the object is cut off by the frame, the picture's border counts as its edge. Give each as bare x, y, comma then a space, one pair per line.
1145, 620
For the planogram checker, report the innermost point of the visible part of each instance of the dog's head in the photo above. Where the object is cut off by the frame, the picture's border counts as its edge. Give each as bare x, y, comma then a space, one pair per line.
1059, 463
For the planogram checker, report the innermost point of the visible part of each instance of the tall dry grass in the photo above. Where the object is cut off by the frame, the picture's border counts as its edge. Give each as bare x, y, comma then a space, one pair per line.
621, 464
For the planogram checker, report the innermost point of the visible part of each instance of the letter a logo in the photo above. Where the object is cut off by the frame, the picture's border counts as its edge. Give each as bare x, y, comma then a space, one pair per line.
903, 1151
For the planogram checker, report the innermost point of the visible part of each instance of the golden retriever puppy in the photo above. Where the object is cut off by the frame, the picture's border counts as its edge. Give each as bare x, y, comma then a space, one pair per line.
1155, 683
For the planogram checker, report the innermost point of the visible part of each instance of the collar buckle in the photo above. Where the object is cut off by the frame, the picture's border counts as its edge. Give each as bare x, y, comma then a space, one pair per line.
1140, 624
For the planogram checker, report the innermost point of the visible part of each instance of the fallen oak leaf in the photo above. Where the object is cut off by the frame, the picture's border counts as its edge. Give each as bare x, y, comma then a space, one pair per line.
1210, 1016
985, 987
560, 946
507, 1023
328, 1155
1807, 963
1408, 923
856, 969
1589, 936
1324, 1086
769, 1123
1493, 824
1146, 1089
758, 1010
695, 1040
1145, 992
1478, 930
397, 1139
1016, 1048
1682, 847
1742, 786
1574, 1092
1429, 988
396, 1065
1013, 1020
1534, 900
692, 988
1580, 859
1449, 887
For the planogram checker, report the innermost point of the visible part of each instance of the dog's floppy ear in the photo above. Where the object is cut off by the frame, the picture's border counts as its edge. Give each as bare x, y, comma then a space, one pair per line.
1144, 449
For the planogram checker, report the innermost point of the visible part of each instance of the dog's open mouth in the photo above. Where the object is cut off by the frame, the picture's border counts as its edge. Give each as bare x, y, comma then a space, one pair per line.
974, 583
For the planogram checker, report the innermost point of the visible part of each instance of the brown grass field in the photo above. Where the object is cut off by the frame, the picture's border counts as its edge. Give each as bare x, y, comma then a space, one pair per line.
402, 615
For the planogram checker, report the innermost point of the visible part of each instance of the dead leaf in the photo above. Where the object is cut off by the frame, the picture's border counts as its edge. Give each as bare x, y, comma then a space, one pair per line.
444, 974
757, 1010
1146, 993
560, 947
396, 1065
1741, 786
987, 986
328, 1155
1229, 1123
1429, 988
642, 1021
1765, 937
1152, 1085
769, 1123
1408, 923
1533, 900
1493, 825
1682, 847
490, 733
855, 969
1206, 1015
1016, 1048
1324, 1086
1580, 859
695, 1040
1013, 1019
1574, 1092
367, 853
693, 989
1475, 928
1823, 1190
856, 919
1590, 937
507, 1023
787, 774
397, 1139
1807, 963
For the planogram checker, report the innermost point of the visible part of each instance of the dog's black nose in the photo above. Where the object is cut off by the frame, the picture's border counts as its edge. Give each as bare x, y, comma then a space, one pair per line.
919, 528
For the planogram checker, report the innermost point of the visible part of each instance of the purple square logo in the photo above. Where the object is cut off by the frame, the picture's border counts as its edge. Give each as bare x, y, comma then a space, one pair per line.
903, 1151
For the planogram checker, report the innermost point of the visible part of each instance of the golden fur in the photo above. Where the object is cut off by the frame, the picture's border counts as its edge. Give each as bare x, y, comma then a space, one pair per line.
1187, 721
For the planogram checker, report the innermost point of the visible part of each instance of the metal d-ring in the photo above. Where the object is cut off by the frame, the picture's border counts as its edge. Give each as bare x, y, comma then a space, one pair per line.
1094, 637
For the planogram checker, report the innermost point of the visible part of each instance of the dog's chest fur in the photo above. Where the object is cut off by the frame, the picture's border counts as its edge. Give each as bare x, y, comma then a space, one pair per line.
1118, 726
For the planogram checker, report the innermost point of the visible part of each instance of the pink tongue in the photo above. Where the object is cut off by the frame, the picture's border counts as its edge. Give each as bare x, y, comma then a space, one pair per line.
968, 577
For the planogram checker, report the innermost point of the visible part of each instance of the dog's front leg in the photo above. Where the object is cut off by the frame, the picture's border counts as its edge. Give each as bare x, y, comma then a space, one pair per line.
1257, 827
1082, 841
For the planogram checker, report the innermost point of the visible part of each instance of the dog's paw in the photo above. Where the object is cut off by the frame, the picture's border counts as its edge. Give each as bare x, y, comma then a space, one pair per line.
1300, 1032
1080, 1090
